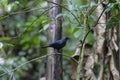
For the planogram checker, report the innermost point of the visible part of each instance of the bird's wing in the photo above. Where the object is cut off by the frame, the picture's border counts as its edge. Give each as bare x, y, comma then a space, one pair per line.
56, 43
59, 42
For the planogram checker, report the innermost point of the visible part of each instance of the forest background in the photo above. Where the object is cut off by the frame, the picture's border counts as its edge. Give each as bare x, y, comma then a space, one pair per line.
24, 26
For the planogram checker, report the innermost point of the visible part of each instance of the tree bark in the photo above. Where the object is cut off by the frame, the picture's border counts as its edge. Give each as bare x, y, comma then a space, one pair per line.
100, 40
54, 61
113, 49
106, 46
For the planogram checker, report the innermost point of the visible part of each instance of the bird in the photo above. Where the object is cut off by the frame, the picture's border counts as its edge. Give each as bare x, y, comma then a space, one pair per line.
59, 44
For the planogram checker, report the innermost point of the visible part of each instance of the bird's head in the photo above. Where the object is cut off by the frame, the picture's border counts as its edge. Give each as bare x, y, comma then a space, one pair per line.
67, 38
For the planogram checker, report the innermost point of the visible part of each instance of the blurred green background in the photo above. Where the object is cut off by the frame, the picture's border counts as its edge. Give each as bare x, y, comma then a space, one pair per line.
23, 30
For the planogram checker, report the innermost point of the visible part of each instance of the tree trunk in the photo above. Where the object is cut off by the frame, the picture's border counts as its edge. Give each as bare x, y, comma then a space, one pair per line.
54, 61
107, 47
100, 40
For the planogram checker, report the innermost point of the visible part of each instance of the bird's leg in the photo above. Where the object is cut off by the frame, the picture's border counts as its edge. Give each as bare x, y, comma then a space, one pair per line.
59, 50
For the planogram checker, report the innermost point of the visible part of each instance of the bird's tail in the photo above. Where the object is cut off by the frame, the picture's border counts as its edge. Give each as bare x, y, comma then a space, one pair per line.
44, 46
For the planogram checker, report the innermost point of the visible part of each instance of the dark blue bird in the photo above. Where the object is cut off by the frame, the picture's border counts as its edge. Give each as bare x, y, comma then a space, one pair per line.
58, 44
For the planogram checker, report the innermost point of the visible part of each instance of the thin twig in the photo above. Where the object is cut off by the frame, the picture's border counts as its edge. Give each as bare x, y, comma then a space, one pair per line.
18, 67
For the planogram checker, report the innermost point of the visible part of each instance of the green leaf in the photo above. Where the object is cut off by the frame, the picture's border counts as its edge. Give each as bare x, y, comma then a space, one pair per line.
113, 21
90, 39
112, 1
46, 27
59, 15
79, 33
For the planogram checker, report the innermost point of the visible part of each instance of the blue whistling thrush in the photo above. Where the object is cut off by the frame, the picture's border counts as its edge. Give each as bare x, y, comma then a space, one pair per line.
59, 44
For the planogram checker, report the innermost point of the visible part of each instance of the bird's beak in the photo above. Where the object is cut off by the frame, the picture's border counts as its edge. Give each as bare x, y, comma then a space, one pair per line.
69, 38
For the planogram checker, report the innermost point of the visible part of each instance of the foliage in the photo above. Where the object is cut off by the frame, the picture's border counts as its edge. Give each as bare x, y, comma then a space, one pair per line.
24, 26
113, 21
